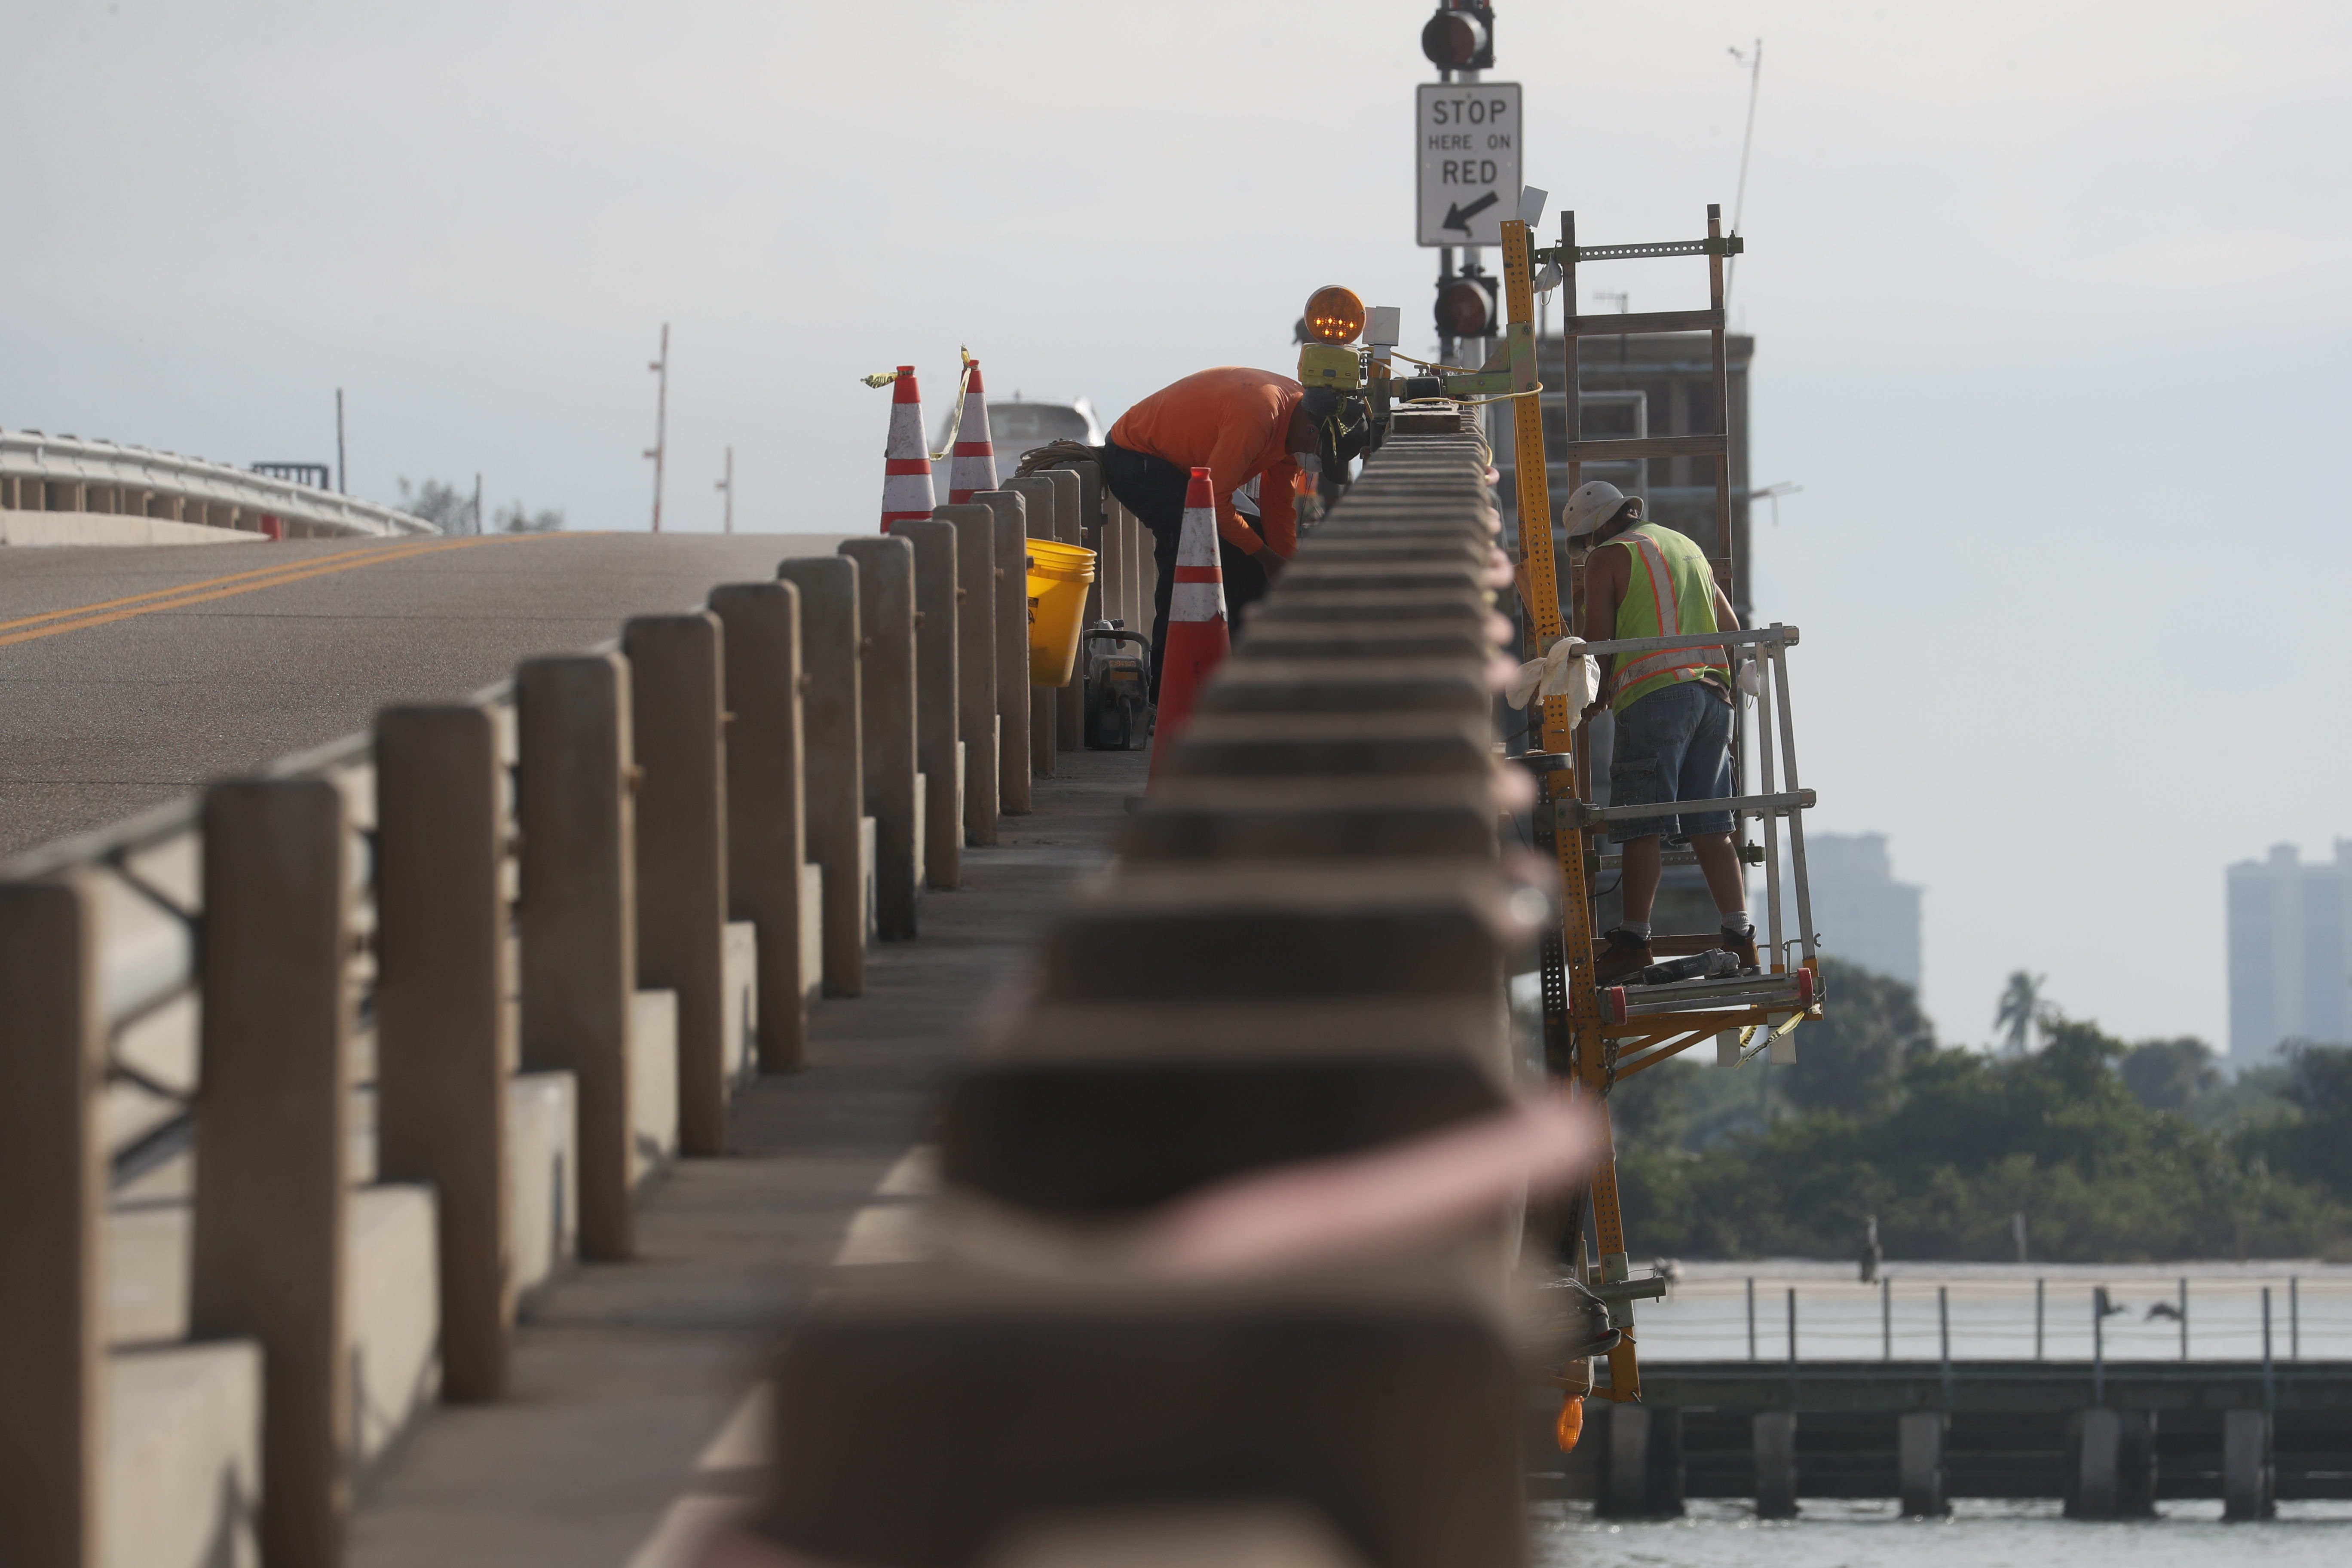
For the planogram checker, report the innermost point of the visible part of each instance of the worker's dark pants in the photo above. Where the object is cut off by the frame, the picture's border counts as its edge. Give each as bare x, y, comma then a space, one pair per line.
1153, 489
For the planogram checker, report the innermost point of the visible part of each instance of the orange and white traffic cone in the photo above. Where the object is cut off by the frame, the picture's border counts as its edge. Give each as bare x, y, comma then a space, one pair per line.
1198, 639
972, 464
906, 492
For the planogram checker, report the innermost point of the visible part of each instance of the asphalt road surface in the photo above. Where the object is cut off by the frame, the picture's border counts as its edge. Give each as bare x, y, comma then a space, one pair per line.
132, 676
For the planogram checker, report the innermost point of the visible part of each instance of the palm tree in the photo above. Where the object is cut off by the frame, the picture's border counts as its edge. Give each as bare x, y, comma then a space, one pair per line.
2020, 1010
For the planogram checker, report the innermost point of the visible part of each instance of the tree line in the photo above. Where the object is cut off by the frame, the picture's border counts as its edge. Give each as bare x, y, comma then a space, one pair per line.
454, 510
2111, 1150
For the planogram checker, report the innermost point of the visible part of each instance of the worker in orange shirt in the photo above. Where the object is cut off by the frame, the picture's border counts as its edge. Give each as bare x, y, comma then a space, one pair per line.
1240, 425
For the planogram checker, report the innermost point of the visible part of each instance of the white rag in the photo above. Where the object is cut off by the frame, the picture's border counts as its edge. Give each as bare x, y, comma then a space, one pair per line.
1566, 671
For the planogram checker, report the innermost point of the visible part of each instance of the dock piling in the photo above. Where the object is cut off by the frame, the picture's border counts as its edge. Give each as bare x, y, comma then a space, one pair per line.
1944, 1337
2246, 1477
2098, 1454
1919, 1443
1774, 1433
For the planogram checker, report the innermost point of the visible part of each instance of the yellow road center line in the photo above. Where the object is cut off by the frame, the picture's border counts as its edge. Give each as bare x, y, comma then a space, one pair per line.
75, 611
186, 595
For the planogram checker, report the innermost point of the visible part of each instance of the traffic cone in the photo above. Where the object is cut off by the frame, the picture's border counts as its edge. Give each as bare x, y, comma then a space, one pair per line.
906, 461
972, 468
1197, 638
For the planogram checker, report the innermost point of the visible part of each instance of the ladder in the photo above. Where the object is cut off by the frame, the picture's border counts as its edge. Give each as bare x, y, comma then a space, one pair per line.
1591, 1035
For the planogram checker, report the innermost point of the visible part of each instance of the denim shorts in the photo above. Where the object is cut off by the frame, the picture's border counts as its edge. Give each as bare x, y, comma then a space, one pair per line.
1673, 744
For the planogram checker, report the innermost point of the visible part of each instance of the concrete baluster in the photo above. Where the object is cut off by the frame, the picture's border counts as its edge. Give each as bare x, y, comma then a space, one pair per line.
445, 1035
1135, 545
1070, 519
1094, 533
272, 1122
767, 828
975, 529
1110, 570
1141, 579
677, 701
1146, 576
52, 1263
938, 745
1012, 788
577, 917
1040, 497
886, 614
834, 776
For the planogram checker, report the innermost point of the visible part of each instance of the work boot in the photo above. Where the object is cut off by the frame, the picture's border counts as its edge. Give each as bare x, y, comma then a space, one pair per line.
1741, 944
1623, 955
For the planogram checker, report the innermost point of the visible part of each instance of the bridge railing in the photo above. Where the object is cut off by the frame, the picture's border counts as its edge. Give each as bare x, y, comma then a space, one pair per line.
332, 1002
41, 473
1216, 1278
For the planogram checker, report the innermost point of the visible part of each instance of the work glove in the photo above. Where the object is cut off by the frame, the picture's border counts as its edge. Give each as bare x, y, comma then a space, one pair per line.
1750, 677
1567, 670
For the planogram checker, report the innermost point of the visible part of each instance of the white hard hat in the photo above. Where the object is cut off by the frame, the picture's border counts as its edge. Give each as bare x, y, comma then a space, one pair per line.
1594, 503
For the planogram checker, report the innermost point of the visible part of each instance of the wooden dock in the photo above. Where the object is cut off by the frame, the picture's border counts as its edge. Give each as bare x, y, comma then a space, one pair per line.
2111, 1439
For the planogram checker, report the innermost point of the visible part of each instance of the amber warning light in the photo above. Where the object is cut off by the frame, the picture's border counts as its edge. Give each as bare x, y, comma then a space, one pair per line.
1334, 315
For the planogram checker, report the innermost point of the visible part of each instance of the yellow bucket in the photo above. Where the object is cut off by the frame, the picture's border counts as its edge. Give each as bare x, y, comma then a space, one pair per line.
1059, 575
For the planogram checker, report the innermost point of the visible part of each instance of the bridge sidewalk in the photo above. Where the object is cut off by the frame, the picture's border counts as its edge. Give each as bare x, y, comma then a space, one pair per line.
625, 1373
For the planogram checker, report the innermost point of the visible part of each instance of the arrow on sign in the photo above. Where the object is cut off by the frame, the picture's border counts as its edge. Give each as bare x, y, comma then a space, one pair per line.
1459, 216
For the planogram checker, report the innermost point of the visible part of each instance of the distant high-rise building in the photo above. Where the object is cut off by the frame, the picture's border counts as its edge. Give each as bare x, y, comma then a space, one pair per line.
2289, 953
1862, 913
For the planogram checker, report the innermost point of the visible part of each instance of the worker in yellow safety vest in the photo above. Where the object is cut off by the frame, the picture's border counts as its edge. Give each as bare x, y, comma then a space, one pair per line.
1673, 709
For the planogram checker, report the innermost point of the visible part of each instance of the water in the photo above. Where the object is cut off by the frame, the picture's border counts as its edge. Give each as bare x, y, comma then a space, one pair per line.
1991, 1311
1979, 1534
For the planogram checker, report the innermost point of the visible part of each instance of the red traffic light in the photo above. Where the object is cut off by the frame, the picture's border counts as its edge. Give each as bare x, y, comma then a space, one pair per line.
1460, 37
1465, 307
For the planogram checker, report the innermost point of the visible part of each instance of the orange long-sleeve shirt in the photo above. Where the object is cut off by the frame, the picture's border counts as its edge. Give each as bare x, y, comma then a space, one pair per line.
1232, 421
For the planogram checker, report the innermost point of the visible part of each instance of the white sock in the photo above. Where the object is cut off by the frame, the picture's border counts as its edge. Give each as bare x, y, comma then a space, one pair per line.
1738, 924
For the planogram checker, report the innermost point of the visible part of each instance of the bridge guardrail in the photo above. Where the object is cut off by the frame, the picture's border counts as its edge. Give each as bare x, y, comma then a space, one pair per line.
1164, 1297
66, 474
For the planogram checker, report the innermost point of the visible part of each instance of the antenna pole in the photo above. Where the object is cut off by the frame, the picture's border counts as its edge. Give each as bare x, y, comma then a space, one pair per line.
342, 483
660, 450
1747, 143
727, 487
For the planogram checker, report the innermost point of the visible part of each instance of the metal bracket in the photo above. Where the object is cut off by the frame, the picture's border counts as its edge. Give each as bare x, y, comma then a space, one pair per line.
1729, 244
1578, 813
1641, 1287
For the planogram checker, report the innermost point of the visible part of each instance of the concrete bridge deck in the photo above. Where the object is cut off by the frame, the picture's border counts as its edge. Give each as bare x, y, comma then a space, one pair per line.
131, 675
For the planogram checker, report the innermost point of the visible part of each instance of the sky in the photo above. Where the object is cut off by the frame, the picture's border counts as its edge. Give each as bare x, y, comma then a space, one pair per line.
2047, 297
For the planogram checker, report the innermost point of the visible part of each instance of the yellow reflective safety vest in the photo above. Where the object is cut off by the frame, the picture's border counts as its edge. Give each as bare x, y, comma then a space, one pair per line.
1670, 591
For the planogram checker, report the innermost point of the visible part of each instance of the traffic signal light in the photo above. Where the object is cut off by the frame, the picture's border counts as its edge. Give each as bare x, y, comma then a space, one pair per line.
1466, 306
1460, 37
